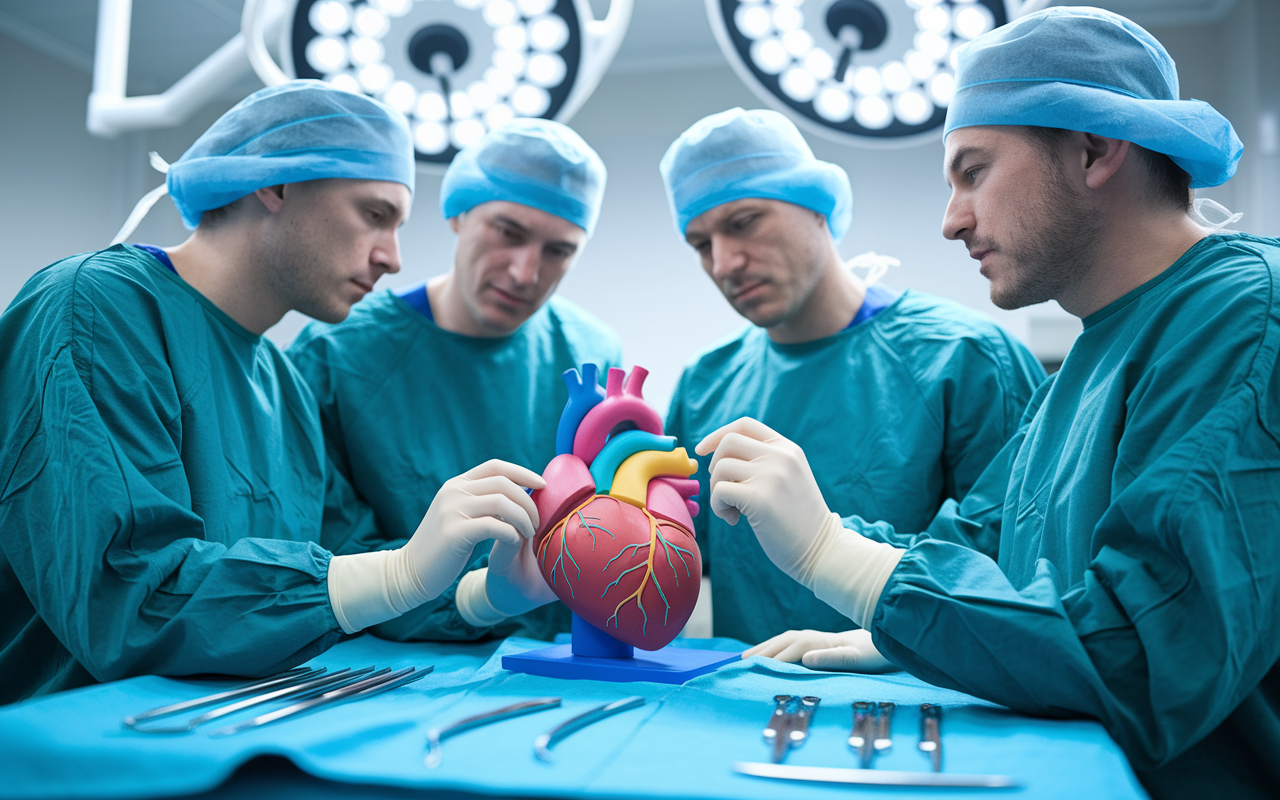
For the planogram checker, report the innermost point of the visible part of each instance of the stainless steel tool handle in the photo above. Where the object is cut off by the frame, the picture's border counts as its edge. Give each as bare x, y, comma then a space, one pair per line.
289, 677
542, 745
931, 734
435, 735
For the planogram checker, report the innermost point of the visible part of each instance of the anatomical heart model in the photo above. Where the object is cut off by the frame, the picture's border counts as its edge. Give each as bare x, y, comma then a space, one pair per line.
615, 540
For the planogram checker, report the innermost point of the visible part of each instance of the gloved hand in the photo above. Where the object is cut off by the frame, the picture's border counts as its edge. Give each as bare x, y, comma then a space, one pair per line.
757, 472
512, 584
848, 651
762, 474
486, 502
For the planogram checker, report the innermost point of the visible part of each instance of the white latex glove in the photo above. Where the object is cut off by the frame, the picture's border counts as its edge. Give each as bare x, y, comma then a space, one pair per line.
760, 473
848, 651
487, 502
512, 584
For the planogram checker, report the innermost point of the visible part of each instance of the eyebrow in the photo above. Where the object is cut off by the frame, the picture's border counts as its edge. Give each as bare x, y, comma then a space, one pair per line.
957, 159
387, 207
505, 220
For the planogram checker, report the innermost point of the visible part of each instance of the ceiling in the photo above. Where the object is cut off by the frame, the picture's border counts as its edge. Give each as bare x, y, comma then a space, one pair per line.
169, 37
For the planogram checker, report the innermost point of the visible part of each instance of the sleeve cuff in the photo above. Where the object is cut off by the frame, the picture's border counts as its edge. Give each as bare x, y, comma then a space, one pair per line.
473, 600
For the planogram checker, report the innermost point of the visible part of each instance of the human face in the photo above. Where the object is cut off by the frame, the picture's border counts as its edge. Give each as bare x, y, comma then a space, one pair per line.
767, 257
1020, 214
509, 261
333, 239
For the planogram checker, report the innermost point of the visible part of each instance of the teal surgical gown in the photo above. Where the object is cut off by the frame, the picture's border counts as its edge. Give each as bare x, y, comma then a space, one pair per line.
1138, 574
895, 414
162, 478
407, 405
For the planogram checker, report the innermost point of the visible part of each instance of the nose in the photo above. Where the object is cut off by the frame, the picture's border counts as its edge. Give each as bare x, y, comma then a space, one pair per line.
386, 254
957, 221
525, 264
726, 257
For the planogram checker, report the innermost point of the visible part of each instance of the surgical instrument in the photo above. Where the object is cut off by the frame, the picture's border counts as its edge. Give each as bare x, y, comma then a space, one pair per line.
380, 681
309, 688
873, 777
775, 731
931, 734
884, 727
860, 738
436, 735
286, 678
542, 745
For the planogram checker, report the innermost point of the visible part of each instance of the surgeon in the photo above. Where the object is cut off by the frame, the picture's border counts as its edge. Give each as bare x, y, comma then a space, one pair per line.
900, 399
419, 385
162, 468
1138, 576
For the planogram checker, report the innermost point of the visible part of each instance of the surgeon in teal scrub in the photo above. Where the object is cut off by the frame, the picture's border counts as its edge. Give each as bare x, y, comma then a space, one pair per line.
163, 478
1138, 575
900, 399
421, 384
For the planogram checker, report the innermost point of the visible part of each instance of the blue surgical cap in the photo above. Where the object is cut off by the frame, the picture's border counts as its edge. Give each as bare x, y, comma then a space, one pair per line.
737, 154
299, 131
1085, 69
535, 162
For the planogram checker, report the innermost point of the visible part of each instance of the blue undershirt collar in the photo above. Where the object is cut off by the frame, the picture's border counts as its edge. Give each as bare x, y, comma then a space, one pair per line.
160, 255
878, 299
416, 297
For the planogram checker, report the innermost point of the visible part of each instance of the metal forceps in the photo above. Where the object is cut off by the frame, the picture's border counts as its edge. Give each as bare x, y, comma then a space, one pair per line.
788, 726
542, 745
291, 678
376, 683
434, 736
931, 734
872, 730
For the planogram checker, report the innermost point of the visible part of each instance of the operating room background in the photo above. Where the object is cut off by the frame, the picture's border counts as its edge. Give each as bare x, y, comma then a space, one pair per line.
66, 191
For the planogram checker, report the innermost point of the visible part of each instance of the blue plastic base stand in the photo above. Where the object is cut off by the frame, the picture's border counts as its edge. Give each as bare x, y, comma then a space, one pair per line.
595, 655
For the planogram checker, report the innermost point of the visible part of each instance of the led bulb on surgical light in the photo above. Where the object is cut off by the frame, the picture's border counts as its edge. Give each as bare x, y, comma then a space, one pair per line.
787, 18
511, 37
546, 70
326, 54
431, 107
834, 104
501, 81
482, 95
466, 133
500, 12
430, 137
820, 64
873, 113
799, 84
374, 77
344, 81
510, 61
548, 33
753, 20
460, 105
912, 107
770, 55
498, 115
921, 65
934, 44
896, 76
330, 18
941, 88
530, 101
867, 81
798, 42
401, 96
934, 18
972, 21
365, 50
371, 22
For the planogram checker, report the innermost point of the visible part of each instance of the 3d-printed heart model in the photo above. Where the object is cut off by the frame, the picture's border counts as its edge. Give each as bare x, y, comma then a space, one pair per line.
615, 540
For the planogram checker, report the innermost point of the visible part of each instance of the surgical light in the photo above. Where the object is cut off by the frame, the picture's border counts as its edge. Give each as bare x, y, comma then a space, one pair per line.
870, 72
457, 68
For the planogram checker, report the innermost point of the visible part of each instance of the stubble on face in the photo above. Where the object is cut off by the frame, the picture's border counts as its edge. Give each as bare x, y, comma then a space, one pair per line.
1054, 244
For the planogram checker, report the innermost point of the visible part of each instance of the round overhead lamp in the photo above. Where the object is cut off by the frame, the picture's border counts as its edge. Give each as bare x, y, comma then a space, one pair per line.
455, 68
868, 72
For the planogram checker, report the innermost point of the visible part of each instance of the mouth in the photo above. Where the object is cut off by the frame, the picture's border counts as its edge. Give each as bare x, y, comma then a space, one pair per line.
506, 298
364, 287
747, 291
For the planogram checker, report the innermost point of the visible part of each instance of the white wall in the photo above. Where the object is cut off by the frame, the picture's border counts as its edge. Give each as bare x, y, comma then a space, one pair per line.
65, 191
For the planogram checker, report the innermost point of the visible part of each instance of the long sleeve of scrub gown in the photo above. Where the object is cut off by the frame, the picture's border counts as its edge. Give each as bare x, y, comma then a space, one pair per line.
162, 477
896, 414
1138, 575
406, 405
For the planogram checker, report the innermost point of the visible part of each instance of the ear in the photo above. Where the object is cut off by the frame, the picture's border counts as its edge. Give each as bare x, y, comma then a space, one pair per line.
455, 223
272, 197
1102, 158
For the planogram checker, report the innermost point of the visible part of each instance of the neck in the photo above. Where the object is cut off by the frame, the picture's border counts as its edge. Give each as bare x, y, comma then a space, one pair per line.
1134, 248
829, 308
223, 265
